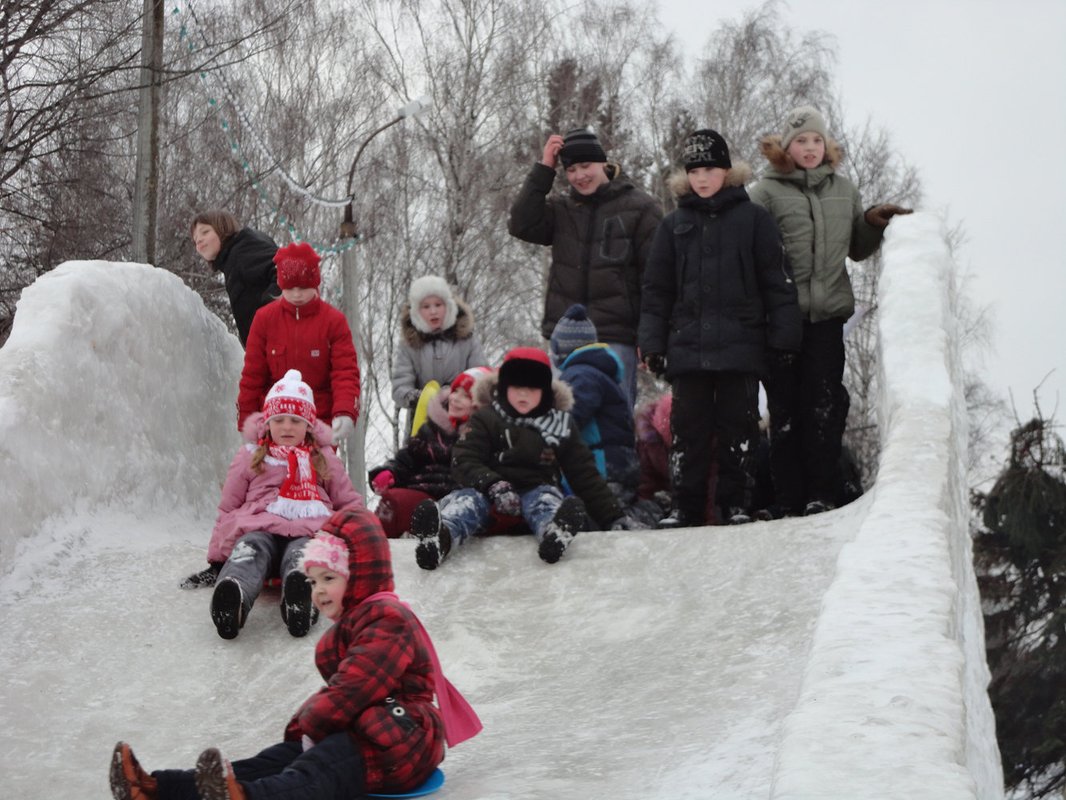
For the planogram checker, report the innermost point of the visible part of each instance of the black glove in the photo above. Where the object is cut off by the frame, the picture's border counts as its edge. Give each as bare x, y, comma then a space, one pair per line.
880, 216
656, 364
505, 499
203, 578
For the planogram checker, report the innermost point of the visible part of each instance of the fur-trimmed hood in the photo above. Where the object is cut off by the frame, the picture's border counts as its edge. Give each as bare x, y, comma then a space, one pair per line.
782, 162
484, 392
462, 329
738, 175
437, 410
255, 428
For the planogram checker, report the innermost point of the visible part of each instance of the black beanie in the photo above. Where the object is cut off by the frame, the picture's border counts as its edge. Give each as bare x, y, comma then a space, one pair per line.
705, 148
530, 367
580, 145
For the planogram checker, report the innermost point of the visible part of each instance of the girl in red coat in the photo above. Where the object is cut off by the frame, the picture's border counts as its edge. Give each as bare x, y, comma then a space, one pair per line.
373, 727
301, 331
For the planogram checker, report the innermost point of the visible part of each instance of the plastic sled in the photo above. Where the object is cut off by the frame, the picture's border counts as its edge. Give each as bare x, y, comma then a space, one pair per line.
432, 784
429, 391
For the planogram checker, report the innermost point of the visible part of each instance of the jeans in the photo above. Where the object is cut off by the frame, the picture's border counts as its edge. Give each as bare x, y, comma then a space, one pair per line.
467, 512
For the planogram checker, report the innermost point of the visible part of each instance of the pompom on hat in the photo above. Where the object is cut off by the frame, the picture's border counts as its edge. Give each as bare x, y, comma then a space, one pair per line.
297, 265
327, 551
705, 148
432, 286
573, 330
290, 397
581, 146
805, 119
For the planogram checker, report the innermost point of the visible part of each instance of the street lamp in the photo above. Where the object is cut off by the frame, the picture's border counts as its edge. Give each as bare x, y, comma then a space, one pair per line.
356, 452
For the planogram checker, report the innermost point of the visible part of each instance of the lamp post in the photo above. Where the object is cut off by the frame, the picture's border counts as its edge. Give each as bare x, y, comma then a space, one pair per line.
356, 452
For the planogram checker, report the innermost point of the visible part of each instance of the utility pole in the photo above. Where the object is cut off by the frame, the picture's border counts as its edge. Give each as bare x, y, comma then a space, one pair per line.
145, 193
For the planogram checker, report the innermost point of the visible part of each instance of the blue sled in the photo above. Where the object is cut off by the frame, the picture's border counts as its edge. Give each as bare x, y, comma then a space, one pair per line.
433, 782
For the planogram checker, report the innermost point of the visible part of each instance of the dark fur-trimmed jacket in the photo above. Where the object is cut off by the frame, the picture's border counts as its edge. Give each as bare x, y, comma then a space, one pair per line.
718, 289
599, 243
821, 218
424, 357
425, 462
494, 447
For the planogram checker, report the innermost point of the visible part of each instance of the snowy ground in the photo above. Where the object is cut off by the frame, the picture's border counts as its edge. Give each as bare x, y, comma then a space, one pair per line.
830, 657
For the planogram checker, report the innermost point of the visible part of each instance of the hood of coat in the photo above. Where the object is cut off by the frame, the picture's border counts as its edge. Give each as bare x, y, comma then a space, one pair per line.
739, 174
485, 392
598, 355
462, 329
255, 429
781, 162
369, 557
437, 411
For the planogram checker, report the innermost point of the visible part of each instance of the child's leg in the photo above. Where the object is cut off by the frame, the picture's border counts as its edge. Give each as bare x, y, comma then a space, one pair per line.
465, 512
251, 561
823, 408
692, 424
786, 435
297, 611
554, 520
736, 416
331, 770
539, 506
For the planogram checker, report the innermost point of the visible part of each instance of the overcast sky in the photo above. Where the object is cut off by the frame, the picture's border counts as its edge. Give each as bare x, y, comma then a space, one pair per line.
974, 95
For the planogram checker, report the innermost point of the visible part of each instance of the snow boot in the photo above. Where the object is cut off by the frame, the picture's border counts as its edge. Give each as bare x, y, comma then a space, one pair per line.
215, 779
679, 519
227, 608
129, 781
817, 507
738, 516
203, 578
569, 518
434, 538
764, 515
297, 611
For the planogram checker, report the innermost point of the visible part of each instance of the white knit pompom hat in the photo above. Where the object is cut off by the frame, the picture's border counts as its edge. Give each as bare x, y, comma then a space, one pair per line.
290, 397
431, 286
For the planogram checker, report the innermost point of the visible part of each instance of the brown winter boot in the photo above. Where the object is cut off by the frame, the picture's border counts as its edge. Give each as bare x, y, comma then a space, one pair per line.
215, 779
129, 781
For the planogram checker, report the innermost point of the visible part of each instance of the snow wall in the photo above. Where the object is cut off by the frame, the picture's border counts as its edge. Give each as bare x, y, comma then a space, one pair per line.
910, 560
117, 323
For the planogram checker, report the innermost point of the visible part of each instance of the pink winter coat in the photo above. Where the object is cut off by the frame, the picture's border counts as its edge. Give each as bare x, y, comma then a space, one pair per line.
246, 494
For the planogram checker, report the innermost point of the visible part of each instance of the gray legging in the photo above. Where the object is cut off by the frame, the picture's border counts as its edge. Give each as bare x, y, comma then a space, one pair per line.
259, 555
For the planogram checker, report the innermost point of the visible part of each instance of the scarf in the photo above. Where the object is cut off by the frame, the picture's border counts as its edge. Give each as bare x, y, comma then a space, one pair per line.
461, 722
553, 426
298, 496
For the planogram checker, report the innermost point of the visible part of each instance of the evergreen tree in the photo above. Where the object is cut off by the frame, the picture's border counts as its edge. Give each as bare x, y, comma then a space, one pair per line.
1020, 557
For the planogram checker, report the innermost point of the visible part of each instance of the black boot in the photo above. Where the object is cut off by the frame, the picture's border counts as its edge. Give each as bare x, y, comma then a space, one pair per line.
227, 608
297, 611
569, 518
679, 519
434, 538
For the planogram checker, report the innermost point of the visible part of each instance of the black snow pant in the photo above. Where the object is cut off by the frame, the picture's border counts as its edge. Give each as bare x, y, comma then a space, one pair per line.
257, 556
331, 770
706, 406
808, 407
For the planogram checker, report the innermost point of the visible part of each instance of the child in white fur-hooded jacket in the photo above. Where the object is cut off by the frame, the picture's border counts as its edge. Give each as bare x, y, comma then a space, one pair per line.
437, 340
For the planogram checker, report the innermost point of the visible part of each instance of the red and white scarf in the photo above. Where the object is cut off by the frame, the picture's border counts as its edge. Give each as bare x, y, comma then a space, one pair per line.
298, 496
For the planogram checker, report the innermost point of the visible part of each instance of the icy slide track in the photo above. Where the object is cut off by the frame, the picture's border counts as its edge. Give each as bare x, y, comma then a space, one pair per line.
833, 657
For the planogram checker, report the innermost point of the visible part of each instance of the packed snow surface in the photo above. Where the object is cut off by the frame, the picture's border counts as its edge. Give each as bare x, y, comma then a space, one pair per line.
834, 656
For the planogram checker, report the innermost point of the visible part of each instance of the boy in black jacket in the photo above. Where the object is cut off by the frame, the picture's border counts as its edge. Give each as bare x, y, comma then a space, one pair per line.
511, 458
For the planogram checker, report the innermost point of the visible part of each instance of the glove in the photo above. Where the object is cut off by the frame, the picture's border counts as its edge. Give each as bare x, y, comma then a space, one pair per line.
204, 578
411, 397
505, 499
343, 427
656, 364
626, 523
879, 216
382, 481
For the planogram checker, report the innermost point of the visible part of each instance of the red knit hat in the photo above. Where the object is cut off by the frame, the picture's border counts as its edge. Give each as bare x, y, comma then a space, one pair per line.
297, 265
292, 397
464, 381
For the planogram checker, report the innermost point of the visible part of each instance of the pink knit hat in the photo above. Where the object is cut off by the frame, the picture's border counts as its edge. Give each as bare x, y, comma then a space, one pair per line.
327, 551
291, 397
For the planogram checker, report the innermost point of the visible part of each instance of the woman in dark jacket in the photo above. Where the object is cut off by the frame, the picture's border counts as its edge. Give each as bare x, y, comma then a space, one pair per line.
717, 292
245, 257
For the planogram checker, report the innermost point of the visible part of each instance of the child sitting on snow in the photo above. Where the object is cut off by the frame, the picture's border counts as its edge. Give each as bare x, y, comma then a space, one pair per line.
372, 728
281, 486
511, 459
437, 340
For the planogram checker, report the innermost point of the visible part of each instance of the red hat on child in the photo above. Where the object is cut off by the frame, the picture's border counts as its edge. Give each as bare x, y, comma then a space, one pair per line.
297, 265
464, 381
290, 397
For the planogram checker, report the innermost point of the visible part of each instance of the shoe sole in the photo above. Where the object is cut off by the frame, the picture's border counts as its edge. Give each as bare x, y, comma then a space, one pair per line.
211, 776
296, 606
121, 787
426, 527
226, 609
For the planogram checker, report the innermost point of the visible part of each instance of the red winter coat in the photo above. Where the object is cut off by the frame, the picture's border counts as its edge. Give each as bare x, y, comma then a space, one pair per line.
373, 653
313, 338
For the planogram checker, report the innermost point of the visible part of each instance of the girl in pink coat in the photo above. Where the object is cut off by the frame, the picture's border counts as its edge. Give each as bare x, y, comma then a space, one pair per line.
282, 485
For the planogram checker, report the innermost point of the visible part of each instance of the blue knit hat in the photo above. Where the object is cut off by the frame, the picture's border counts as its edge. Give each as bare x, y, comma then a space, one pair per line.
573, 330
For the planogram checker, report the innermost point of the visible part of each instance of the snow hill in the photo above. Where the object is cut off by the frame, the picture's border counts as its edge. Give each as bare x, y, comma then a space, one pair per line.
838, 656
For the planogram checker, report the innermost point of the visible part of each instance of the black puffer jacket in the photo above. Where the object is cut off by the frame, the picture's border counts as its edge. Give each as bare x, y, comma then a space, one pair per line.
718, 288
425, 462
495, 447
600, 244
247, 260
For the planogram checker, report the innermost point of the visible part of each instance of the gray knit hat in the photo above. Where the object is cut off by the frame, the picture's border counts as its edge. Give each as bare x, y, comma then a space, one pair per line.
573, 330
805, 119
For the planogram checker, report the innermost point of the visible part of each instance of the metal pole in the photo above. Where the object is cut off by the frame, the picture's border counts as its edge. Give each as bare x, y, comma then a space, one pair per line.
145, 197
355, 447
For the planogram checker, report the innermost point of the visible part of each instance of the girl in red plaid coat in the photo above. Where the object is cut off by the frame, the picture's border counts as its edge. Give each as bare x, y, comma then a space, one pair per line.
372, 728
